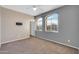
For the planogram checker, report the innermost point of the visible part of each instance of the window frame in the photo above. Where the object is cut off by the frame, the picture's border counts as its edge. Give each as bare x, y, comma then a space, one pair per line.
37, 24
51, 26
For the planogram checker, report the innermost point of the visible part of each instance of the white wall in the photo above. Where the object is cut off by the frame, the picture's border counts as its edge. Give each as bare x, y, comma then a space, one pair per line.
12, 32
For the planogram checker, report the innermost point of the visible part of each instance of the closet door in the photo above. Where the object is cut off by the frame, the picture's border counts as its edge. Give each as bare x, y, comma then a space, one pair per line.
27, 29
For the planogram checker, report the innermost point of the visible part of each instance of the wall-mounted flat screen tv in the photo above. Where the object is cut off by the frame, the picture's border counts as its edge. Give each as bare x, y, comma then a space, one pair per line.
19, 23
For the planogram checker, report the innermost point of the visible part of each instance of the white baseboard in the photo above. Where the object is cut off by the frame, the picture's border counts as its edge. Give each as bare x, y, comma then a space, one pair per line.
14, 40
59, 43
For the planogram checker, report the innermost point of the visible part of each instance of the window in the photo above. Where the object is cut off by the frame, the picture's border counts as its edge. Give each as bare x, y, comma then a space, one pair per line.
52, 23
39, 24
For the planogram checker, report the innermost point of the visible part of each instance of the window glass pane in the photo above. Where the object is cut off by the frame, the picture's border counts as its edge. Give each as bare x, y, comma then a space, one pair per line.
39, 24
54, 19
52, 23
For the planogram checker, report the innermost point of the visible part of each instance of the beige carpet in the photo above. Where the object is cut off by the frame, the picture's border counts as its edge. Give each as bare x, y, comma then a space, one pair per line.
35, 46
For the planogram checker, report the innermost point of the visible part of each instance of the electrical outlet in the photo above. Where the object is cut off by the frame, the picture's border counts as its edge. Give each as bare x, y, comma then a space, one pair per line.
68, 41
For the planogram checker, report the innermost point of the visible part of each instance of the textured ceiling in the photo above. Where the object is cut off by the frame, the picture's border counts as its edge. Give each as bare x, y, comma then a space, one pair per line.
28, 9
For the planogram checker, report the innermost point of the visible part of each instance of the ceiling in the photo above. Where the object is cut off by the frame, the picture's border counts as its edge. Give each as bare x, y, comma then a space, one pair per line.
28, 9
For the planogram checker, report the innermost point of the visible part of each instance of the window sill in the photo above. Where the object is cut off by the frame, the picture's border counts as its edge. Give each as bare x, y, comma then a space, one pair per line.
52, 31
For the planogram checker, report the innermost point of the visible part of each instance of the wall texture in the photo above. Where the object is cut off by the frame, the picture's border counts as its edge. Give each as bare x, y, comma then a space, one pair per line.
0, 26
68, 27
10, 31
